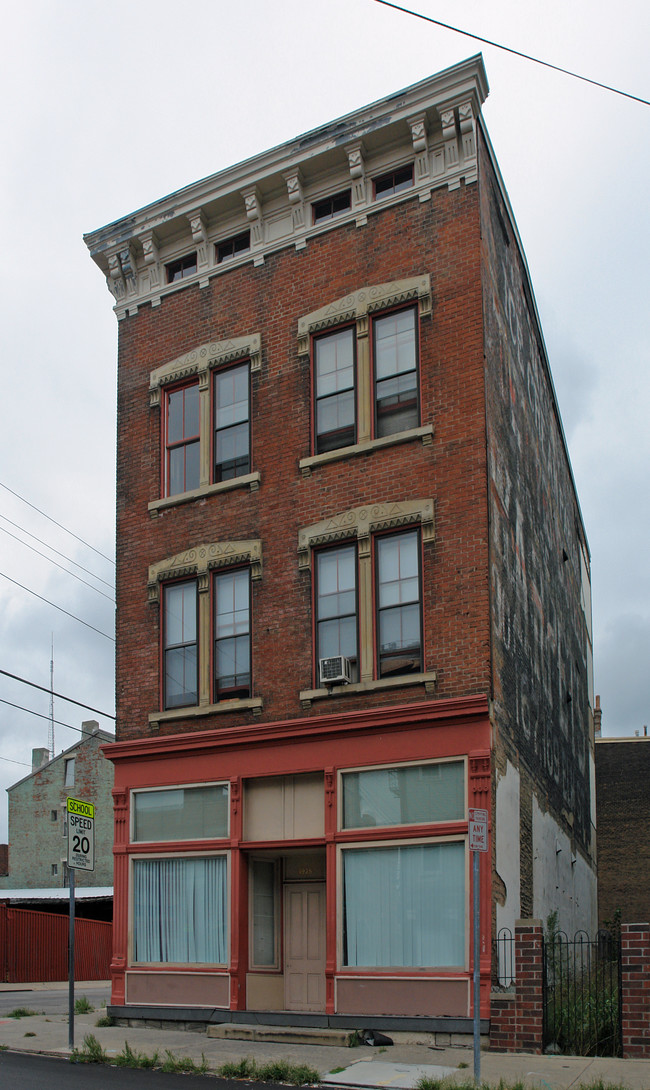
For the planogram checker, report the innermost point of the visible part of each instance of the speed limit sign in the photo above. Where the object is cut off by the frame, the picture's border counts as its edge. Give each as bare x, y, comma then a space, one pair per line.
81, 834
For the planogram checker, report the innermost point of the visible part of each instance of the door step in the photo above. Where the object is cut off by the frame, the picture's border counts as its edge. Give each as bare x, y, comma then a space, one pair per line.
289, 1035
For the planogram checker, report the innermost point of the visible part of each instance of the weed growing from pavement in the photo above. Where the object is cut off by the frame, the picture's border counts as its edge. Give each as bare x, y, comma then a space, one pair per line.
91, 1053
183, 1065
277, 1071
83, 1005
105, 1020
21, 1012
128, 1058
30, 1033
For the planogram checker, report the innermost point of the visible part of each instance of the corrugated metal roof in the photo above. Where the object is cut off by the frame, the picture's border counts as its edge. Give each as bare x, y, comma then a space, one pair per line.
61, 893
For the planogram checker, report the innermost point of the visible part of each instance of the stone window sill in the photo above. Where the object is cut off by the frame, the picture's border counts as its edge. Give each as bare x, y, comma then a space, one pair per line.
428, 679
247, 480
254, 704
425, 433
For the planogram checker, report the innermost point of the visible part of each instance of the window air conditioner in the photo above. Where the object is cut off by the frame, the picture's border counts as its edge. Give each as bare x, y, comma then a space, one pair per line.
335, 670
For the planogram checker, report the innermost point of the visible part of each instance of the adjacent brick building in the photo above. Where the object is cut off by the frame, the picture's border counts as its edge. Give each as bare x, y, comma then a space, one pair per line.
38, 844
352, 579
623, 794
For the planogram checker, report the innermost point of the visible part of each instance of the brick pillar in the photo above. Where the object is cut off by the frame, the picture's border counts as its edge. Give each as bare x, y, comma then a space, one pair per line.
635, 989
529, 970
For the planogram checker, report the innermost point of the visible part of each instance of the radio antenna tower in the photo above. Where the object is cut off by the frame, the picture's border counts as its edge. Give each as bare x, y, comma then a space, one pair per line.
50, 739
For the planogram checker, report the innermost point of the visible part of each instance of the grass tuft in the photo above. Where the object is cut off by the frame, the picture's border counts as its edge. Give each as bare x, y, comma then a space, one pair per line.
91, 1053
21, 1012
82, 1005
275, 1071
105, 1020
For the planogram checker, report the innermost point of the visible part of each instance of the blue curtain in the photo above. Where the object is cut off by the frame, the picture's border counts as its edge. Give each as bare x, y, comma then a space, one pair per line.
405, 906
180, 910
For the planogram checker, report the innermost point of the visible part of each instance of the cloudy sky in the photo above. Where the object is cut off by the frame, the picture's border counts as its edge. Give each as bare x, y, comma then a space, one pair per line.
110, 106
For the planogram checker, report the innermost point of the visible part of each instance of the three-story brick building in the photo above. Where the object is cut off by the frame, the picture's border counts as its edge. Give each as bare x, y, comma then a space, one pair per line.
353, 579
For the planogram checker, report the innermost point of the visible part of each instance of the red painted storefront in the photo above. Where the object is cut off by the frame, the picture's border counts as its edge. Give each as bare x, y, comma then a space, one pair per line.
319, 750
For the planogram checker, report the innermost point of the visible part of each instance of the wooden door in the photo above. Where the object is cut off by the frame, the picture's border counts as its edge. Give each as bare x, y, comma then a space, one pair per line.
304, 946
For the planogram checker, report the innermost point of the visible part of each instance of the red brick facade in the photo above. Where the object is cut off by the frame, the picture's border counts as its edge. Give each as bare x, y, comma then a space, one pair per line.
635, 989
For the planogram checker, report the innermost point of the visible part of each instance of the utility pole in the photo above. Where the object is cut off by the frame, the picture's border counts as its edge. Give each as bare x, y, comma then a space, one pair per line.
50, 739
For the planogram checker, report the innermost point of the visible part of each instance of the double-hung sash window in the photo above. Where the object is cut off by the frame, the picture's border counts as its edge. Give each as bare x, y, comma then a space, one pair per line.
395, 372
180, 665
231, 422
334, 375
232, 649
399, 636
182, 439
336, 604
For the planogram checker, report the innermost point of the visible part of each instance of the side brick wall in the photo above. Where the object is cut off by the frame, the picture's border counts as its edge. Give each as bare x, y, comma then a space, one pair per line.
517, 1016
635, 989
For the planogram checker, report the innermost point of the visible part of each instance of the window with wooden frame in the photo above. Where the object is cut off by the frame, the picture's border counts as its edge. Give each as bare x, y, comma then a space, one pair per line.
206, 398
230, 247
364, 353
182, 439
367, 595
204, 596
335, 390
180, 644
336, 604
395, 371
394, 181
231, 422
329, 207
180, 269
399, 617
232, 634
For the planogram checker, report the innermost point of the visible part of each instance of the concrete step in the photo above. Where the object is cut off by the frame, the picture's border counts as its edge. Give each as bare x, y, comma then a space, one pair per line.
290, 1035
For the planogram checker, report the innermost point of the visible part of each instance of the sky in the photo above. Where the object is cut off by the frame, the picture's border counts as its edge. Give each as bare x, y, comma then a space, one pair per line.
108, 107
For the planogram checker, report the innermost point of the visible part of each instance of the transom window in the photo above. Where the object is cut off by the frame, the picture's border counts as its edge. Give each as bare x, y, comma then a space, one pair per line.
180, 648
232, 654
329, 207
334, 374
404, 795
182, 439
181, 813
399, 637
178, 270
393, 182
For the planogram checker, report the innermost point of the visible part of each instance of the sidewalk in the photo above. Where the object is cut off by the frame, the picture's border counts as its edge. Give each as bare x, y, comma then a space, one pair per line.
399, 1065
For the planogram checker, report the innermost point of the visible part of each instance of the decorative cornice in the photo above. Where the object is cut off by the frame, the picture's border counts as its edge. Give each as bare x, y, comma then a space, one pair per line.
359, 304
202, 559
435, 120
361, 522
198, 361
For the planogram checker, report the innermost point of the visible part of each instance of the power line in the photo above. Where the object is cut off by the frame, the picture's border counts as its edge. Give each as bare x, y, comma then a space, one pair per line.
59, 524
60, 608
53, 550
514, 52
12, 762
59, 696
56, 564
30, 711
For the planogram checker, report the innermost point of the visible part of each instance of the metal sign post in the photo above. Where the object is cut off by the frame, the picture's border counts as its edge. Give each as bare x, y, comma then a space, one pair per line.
81, 856
478, 842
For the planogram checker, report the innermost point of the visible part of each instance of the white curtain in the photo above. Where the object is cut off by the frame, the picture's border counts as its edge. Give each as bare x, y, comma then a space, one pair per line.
180, 910
405, 906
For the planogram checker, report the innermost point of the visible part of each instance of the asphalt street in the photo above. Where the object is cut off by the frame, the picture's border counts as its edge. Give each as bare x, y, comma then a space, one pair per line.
20, 1072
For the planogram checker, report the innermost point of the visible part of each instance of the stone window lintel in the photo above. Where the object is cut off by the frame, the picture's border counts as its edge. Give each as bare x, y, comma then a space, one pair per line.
199, 561
200, 361
361, 522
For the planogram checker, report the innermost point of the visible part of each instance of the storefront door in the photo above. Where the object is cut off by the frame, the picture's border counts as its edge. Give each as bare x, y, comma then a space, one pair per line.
304, 943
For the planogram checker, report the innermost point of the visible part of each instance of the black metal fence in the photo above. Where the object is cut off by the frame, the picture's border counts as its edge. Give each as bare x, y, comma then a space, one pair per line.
503, 959
582, 994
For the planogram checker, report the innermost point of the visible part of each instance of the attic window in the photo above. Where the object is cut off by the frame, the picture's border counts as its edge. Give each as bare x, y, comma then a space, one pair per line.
54, 815
230, 247
332, 206
178, 270
394, 182
69, 773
